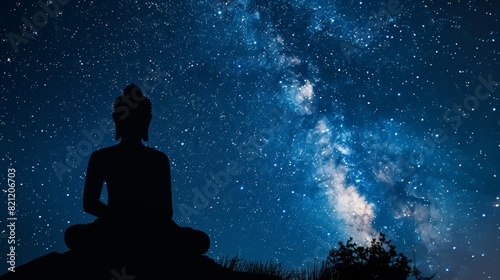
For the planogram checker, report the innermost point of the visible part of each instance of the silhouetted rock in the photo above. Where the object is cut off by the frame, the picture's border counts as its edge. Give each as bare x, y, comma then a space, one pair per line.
133, 266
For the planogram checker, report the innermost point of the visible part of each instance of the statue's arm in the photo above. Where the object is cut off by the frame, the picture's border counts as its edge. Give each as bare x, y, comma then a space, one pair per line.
167, 182
94, 182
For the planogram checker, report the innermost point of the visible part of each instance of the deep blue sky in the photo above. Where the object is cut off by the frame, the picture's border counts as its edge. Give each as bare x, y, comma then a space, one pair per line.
336, 118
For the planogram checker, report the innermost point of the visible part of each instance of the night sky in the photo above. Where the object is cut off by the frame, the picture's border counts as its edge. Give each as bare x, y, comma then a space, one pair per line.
290, 125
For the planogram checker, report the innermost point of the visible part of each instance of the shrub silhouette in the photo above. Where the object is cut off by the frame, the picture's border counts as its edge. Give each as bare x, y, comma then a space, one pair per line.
379, 260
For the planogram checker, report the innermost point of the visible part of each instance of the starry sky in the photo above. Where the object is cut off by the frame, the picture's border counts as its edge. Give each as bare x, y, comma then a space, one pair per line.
290, 125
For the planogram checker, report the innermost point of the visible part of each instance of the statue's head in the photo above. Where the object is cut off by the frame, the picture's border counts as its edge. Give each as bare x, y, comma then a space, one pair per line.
132, 114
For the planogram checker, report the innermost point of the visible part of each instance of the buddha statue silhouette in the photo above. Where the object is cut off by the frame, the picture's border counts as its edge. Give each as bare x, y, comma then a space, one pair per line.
138, 183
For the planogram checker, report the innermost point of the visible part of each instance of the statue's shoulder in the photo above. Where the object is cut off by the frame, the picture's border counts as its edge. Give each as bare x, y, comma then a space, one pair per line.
105, 151
160, 155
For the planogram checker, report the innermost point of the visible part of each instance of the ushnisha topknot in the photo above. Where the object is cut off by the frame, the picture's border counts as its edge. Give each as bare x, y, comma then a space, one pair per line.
131, 108
132, 101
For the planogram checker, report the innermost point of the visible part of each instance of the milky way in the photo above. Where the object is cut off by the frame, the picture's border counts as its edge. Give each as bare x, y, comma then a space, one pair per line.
290, 125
